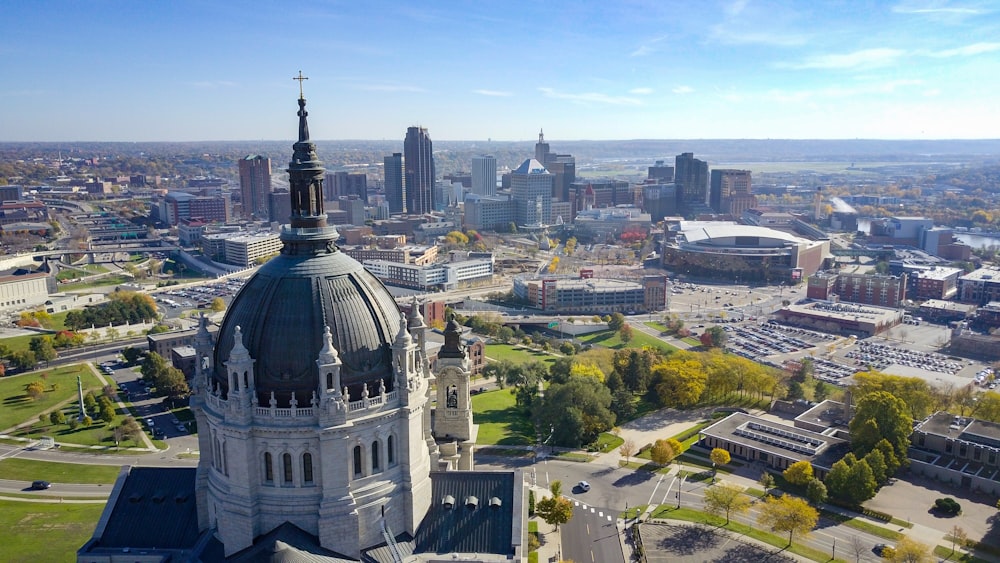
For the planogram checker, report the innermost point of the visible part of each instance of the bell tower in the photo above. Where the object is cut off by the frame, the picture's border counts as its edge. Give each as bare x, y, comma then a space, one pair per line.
453, 428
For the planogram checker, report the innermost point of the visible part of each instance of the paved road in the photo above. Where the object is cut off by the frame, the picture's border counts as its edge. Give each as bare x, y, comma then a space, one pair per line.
592, 536
57, 490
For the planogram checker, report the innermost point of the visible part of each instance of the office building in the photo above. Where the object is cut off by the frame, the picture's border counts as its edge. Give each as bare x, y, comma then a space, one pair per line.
531, 190
488, 213
561, 166
484, 175
345, 184
691, 177
418, 171
661, 172
279, 206
255, 184
725, 184
395, 191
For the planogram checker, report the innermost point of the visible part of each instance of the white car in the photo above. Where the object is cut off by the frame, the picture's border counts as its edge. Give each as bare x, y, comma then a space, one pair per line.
583, 486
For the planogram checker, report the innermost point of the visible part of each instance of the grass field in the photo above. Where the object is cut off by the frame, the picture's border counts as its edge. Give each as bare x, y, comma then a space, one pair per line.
116, 279
499, 420
19, 469
44, 532
517, 354
18, 408
611, 339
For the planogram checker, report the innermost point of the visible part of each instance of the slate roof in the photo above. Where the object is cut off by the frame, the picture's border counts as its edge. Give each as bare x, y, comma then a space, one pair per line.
460, 529
287, 544
155, 509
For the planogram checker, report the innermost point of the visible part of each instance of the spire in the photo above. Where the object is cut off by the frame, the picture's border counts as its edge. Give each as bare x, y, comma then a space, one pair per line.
453, 347
416, 318
403, 338
305, 177
239, 351
328, 354
541, 136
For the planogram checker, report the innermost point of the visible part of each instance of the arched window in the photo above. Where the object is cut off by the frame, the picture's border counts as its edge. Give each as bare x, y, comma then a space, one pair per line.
390, 454
307, 468
357, 461
375, 466
268, 468
286, 465
246, 380
329, 381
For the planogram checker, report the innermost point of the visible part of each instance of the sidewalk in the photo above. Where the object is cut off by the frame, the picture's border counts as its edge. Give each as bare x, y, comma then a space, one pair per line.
551, 540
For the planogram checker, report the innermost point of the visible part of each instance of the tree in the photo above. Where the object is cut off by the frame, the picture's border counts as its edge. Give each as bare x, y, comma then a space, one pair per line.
816, 492
57, 417
626, 334
856, 485
90, 401
627, 449
87, 421
218, 305
554, 510
958, 536
767, 481
622, 404
881, 415
876, 461
131, 429
664, 451
577, 411
788, 514
72, 422
858, 547
726, 498
680, 380
34, 390
717, 337
616, 321
107, 413
23, 359
799, 473
719, 457
910, 551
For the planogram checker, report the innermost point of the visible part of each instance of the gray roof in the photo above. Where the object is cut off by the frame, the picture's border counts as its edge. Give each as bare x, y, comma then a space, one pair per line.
285, 307
287, 544
531, 166
460, 529
155, 509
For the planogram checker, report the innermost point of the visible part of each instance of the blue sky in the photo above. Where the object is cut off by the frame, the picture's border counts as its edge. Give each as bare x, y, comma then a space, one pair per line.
212, 70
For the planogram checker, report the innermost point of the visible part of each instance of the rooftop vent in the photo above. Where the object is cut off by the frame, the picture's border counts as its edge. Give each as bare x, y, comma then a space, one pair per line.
448, 502
136, 498
471, 502
495, 503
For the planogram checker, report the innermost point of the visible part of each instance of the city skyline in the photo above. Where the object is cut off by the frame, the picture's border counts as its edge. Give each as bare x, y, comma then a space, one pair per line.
185, 71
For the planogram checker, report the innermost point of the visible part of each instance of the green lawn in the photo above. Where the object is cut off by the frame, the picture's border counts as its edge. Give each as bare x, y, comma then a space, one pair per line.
517, 354
500, 421
43, 532
611, 339
19, 469
116, 279
18, 408
607, 442
18, 343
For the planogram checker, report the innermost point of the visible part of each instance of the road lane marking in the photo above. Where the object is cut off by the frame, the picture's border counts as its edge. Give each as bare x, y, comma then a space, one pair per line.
658, 481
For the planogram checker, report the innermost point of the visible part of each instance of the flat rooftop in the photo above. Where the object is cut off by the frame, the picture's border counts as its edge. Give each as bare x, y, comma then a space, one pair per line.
772, 437
963, 428
845, 311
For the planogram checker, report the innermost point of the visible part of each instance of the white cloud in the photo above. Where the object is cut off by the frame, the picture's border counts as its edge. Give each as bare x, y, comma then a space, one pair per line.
936, 9
967, 51
682, 90
641, 91
591, 97
495, 93
865, 58
647, 48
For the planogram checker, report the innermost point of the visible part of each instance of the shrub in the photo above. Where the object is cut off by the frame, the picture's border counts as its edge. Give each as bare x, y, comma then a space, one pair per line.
948, 505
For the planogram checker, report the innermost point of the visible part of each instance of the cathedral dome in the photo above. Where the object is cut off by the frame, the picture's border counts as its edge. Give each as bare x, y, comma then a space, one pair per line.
283, 310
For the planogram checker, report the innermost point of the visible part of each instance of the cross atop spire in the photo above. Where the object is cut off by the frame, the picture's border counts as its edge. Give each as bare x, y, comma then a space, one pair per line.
300, 78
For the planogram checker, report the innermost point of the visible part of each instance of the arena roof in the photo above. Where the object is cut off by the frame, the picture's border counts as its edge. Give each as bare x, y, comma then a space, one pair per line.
707, 232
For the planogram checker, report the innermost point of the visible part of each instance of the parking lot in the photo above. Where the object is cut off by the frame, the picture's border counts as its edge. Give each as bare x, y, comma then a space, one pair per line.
755, 341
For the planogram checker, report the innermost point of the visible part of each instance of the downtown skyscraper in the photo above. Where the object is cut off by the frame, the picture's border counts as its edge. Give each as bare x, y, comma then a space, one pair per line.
395, 192
418, 167
255, 185
484, 175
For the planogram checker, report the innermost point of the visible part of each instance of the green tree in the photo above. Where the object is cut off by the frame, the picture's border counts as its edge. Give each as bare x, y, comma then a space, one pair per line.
726, 498
57, 417
72, 422
788, 514
23, 359
861, 484
876, 461
680, 380
816, 492
554, 510
836, 479
880, 415
766, 481
576, 411
90, 401
622, 404
892, 463
556, 488
799, 473
616, 322
107, 413
87, 421
131, 429
717, 337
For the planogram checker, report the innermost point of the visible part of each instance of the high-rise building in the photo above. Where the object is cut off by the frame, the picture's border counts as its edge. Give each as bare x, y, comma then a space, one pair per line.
395, 190
345, 184
661, 172
255, 184
562, 166
726, 183
531, 190
280, 206
484, 175
418, 171
691, 177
